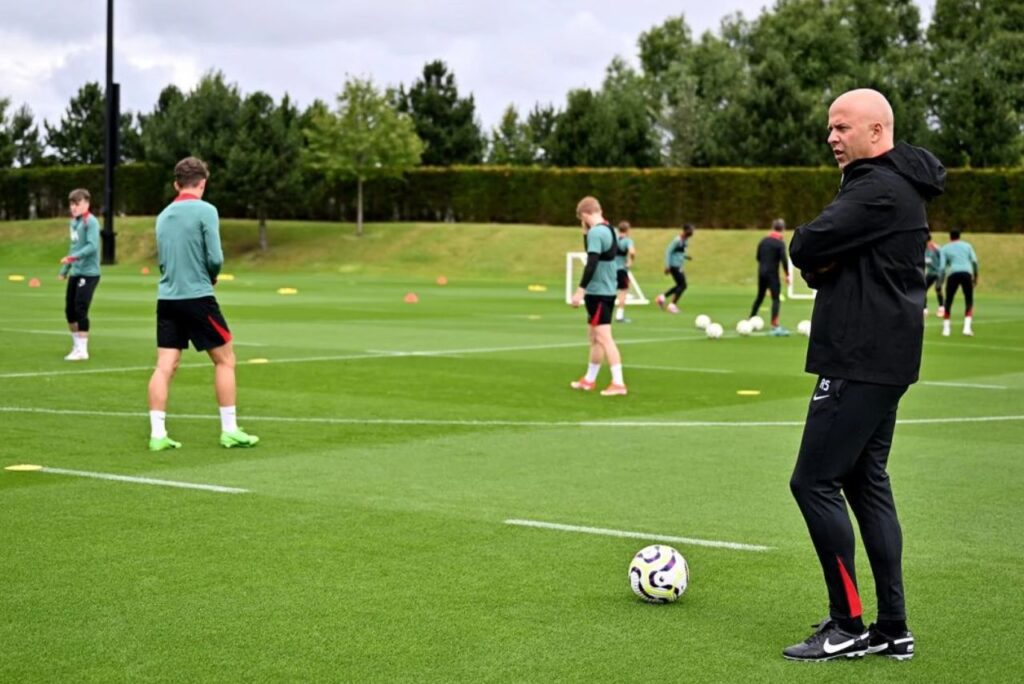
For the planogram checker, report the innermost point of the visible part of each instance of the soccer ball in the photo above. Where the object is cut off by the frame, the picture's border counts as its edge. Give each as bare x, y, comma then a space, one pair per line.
804, 328
757, 323
659, 574
703, 321
714, 330
744, 327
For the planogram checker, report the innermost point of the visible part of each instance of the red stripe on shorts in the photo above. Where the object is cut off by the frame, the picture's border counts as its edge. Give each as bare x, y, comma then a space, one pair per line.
224, 334
596, 318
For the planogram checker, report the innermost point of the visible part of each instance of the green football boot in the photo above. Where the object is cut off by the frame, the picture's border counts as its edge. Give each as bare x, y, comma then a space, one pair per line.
163, 443
238, 438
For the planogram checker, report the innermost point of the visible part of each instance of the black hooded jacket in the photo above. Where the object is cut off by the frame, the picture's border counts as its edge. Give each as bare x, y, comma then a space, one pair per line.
865, 256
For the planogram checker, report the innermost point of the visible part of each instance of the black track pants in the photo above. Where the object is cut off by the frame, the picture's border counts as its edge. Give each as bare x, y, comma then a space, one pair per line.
845, 447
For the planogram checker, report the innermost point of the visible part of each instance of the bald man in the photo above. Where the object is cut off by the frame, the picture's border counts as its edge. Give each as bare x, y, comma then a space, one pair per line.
865, 256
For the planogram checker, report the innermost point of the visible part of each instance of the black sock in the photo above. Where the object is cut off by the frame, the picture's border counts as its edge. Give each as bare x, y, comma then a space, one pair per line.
851, 625
892, 627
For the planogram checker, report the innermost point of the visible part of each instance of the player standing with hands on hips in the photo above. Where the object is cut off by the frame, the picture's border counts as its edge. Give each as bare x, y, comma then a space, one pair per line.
865, 256
597, 289
188, 246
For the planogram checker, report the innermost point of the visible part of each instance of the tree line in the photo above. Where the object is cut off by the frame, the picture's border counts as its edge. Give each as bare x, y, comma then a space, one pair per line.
754, 93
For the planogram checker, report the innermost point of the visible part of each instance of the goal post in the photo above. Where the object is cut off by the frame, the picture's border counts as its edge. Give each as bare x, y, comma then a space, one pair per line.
791, 290
634, 295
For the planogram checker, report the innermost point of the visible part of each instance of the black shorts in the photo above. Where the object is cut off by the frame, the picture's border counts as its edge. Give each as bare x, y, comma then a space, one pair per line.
200, 321
599, 309
622, 279
78, 299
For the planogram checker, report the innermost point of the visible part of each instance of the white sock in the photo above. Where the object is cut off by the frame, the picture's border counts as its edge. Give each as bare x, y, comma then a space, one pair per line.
967, 323
157, 424
74, 341
228, 420
82, 343
592, 370
620, 313
617, 375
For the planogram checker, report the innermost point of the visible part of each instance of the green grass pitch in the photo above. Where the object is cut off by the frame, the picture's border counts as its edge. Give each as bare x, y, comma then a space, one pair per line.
398, 438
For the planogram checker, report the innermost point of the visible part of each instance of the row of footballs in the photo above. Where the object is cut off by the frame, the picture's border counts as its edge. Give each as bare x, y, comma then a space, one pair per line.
744, 327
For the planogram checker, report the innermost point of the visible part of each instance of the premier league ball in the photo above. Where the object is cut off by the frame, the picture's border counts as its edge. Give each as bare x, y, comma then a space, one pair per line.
714, 331
804, 328
757, 322
659, 574
744, 328
703, 321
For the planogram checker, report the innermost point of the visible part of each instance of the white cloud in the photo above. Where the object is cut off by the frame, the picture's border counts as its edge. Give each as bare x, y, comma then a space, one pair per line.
520, 52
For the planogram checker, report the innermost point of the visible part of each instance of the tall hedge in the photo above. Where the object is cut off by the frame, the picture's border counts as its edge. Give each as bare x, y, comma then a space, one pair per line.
988, 200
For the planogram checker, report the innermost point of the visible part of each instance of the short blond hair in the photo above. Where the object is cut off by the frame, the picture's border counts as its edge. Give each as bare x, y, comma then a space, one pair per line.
78, 195
588, 205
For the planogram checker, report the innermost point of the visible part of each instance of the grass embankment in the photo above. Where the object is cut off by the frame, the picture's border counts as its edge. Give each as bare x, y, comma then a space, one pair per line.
477, 251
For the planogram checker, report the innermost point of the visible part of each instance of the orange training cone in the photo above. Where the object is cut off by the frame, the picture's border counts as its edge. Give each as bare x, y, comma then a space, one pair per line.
411, 298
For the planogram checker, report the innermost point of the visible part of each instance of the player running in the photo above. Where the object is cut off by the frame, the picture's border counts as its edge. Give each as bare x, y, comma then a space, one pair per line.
624, 258
771, 253
934, 274
189, 250
675, 255
597, 290
81, 268
961, 264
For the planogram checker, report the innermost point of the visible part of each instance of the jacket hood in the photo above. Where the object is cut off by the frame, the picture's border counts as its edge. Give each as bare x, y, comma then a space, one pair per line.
919, 166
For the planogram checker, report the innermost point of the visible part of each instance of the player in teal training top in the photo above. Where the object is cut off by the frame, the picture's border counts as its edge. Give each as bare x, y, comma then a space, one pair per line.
188, 246
598, 289
934, 274
961, 265
624, 257
81, 268
675, 255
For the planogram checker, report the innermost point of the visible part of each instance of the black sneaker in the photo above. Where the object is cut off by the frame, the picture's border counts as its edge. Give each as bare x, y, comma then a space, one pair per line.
899, 647
828, 643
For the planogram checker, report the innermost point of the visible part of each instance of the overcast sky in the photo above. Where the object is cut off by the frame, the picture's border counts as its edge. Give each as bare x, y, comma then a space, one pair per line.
513, 51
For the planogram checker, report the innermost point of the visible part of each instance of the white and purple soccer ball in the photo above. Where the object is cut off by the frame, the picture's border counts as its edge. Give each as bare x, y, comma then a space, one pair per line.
702, 321
659, 574
744, 327
804, 328
714, 331
757, 323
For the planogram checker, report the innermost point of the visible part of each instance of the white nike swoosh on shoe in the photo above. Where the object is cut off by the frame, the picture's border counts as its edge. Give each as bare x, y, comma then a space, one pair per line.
831, 648
819, 398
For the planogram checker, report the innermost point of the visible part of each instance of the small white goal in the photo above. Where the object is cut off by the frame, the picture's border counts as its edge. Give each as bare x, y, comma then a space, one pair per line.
791, 289
575, 262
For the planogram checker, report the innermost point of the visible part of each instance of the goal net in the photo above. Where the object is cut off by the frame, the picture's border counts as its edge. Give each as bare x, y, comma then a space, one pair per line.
575, 262
797, 288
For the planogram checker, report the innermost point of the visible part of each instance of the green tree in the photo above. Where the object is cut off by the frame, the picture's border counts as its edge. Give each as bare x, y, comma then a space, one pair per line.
28, 148
512, 142
80, 137
6, 137
445, 122
976, 53
204, 123
263, 165
609, 127
364, 138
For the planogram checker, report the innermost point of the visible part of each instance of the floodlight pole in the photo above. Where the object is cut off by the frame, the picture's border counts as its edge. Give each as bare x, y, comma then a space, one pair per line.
112, 117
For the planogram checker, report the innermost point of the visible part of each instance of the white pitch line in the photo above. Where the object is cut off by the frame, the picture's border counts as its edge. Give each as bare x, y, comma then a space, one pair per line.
110, 334
969, 385
145, 480
631, 366
380, 354
735, 546
501, 423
